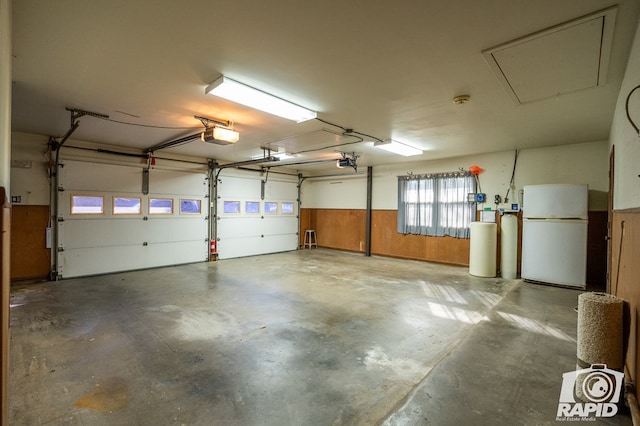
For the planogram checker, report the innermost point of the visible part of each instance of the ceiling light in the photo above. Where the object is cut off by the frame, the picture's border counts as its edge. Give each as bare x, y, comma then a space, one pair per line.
220, 135
397, 148
255, 98
284, 156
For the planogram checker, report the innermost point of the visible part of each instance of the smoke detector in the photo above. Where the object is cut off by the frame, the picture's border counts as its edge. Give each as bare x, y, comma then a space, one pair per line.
462, 99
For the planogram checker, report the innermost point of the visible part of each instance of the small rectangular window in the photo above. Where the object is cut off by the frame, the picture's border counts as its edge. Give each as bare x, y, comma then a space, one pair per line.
82, 204
127, 205
190, 206
232, 207
252, 207
160, 206
270, 208
286, 208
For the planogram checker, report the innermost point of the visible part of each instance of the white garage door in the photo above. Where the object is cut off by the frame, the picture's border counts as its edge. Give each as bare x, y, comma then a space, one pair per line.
249, 225
108, 225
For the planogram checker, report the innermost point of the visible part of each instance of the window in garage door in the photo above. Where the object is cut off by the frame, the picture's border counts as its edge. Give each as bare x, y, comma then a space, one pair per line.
109, 225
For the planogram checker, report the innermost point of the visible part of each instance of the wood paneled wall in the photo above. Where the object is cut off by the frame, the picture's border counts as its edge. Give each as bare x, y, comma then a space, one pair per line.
344, 229
625, 276
30, 259
386, 241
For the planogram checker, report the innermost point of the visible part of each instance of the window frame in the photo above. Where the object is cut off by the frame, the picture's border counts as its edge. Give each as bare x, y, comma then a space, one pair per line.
247, 212
236, 203
435, 204
74, 196
162, 199
275, 213
198, 200
293, 208
113, 206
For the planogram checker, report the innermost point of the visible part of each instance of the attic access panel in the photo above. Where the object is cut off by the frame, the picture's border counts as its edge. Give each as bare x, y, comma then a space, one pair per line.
562, 59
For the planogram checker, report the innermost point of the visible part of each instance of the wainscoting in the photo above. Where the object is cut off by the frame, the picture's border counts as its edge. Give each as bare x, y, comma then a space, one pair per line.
344, 229
30, 259
625, 276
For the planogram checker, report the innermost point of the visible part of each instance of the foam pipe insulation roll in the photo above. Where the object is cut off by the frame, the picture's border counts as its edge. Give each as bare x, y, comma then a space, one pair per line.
509, 246
482, 253
600, 330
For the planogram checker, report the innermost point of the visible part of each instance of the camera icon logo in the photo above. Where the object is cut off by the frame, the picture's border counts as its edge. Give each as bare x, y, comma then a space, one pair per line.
590, 392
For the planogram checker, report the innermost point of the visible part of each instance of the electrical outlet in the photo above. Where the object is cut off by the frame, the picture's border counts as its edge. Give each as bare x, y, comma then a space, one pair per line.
15, 199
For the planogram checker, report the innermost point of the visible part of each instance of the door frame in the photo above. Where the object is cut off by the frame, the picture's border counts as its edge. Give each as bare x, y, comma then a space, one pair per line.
610, 218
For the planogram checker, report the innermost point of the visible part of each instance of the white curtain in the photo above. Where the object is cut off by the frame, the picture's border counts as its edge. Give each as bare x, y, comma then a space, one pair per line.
436, 205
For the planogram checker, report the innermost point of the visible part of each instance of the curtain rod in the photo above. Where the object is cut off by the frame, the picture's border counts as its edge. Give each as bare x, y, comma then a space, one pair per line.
457, 173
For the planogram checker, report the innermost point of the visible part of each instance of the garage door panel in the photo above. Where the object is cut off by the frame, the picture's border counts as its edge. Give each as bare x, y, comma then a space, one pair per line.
86, 261
246, 188
176, 253
239, 227
280, 225
107, 242
100, 177
194, 229
100, 233
261, 230
279, 243
278, 190
175, 182
240, 247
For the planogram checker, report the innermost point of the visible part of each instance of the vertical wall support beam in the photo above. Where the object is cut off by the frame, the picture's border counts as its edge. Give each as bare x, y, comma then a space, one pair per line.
300, 182
5, 207
367, 246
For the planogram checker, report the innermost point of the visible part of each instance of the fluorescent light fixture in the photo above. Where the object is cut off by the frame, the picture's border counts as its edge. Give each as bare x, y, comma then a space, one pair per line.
284, 156
397, 148
246, 95
220, 135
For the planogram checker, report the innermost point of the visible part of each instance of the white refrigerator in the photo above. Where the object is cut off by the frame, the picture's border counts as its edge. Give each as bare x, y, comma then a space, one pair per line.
554, 234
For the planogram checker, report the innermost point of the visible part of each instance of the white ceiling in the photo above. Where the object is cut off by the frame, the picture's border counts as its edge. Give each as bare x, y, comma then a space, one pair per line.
386, 68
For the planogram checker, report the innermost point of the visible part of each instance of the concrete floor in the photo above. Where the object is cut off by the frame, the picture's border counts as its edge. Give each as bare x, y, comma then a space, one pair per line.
313, 337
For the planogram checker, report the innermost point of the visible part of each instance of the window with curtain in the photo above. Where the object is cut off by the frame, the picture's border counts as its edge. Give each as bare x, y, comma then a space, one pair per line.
436, 204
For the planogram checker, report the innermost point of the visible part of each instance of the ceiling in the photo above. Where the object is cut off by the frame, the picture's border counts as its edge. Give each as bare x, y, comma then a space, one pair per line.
384, 69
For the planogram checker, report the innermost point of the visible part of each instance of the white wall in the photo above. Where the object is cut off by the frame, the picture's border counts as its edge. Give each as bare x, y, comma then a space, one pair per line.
5, 92
585, 163
340, 192
627, 142
32, 183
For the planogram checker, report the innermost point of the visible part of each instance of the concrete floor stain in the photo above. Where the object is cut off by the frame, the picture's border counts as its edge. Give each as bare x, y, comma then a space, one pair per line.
111, 395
